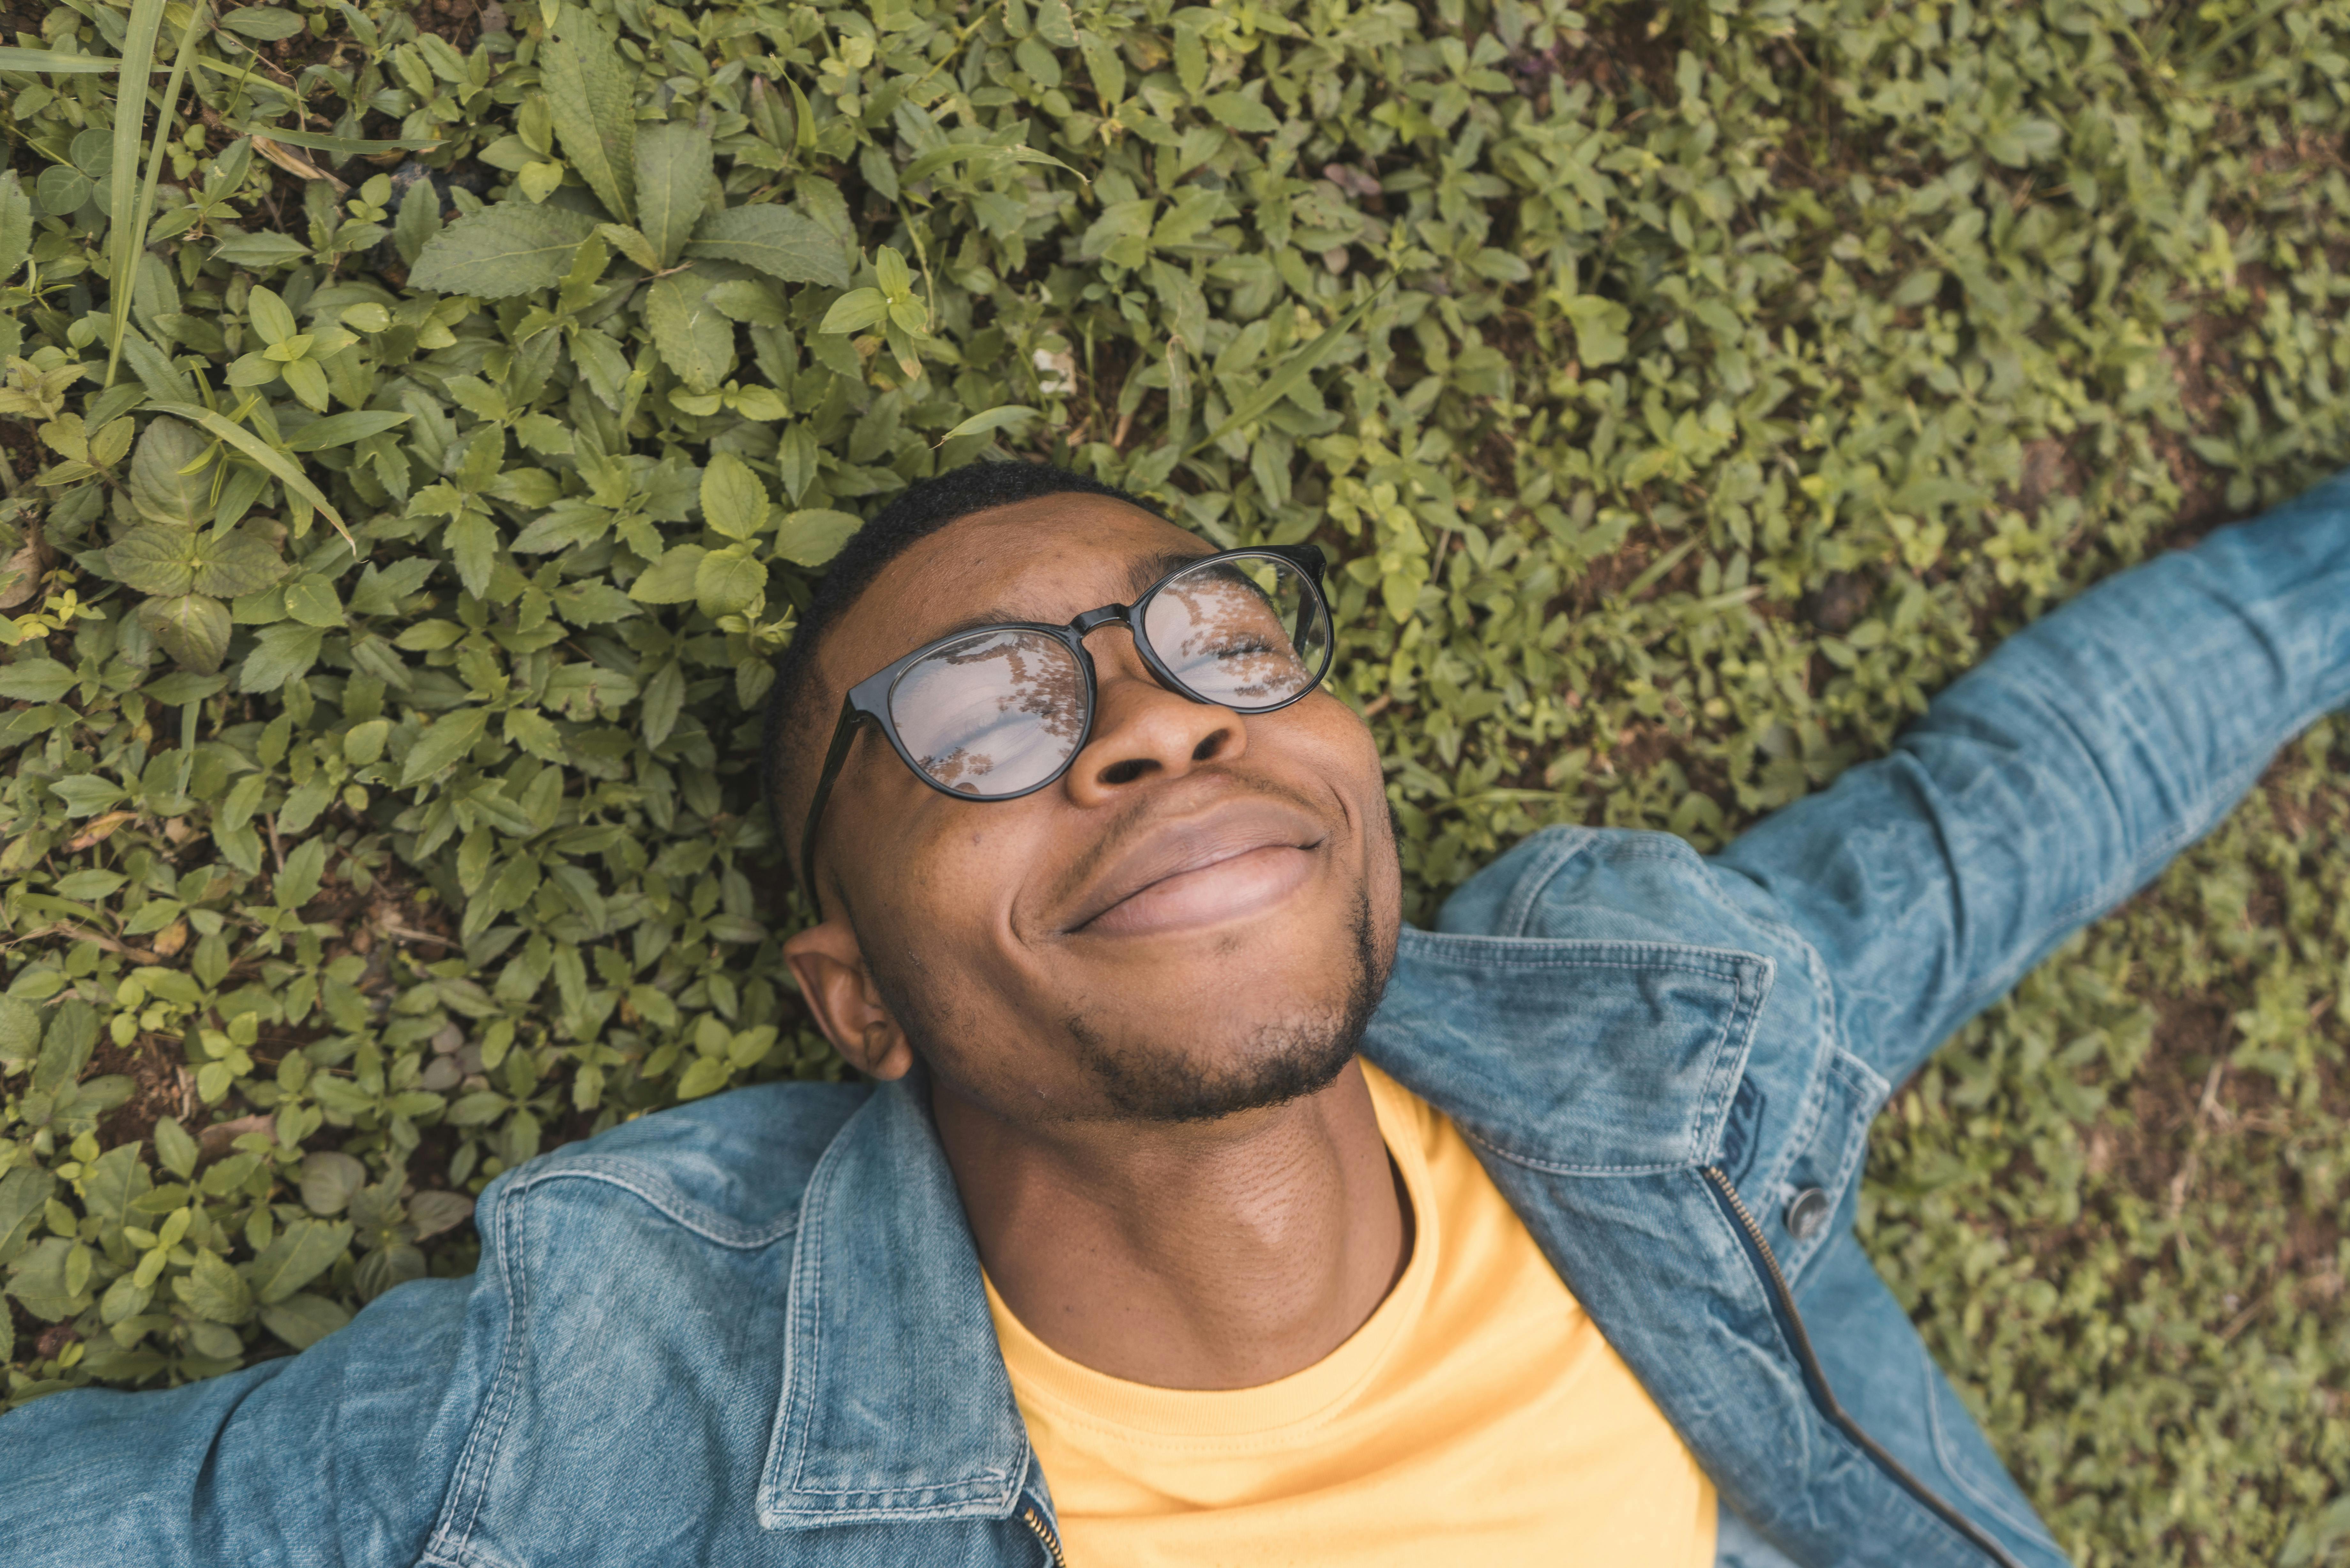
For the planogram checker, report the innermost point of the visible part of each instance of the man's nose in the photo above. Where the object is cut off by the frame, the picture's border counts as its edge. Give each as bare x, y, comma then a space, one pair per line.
1141, 729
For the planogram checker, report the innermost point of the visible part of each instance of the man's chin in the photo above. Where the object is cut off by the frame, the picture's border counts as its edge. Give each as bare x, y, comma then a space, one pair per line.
1214, 1067
1171, 1083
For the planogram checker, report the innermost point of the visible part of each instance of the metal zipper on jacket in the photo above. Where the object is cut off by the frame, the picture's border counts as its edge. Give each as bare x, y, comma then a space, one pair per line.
1791, 1324
1044, 1532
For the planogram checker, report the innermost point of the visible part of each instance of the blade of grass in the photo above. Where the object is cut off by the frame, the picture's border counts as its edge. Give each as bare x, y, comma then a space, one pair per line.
133, 244
2208, 51
56, 64
348, 146
283, 468
1293, 370
122, 206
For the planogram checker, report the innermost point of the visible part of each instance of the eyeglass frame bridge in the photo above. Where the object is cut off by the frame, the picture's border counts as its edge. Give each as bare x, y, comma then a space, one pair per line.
867, 701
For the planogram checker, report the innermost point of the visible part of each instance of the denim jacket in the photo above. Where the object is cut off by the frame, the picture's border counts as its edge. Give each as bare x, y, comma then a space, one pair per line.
751, 1331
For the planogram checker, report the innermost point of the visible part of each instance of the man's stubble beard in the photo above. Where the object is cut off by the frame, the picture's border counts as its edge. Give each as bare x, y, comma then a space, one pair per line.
1282, 1060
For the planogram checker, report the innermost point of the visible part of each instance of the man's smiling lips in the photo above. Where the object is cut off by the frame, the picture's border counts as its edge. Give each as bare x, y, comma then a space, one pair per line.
1224, 865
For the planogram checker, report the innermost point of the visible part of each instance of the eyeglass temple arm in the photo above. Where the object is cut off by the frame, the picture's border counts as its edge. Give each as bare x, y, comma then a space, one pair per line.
844, 732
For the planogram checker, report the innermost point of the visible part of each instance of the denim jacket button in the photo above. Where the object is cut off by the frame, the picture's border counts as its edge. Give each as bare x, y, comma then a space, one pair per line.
1806, 1212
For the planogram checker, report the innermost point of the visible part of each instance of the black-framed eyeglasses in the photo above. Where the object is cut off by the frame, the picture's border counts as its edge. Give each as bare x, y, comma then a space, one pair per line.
998, 711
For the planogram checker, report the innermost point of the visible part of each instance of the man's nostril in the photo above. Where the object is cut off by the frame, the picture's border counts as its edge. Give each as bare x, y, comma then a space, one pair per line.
1209, 747
1127, 771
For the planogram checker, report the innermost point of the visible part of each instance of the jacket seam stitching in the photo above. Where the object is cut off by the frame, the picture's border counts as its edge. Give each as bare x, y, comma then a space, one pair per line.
1850, 1159
1725, 962
742, 1239
1548, 1167
806, 1325
1721, 1083
1989, 1501
1570, 844
488, 1435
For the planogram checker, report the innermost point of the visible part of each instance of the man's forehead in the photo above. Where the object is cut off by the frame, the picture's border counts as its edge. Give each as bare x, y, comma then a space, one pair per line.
1044, 559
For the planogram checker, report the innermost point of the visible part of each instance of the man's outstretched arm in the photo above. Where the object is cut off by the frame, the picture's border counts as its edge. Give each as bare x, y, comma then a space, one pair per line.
338, 1456
2060, 776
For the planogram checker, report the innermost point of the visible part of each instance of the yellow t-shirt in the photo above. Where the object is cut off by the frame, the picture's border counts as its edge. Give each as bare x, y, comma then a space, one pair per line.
1478, 1417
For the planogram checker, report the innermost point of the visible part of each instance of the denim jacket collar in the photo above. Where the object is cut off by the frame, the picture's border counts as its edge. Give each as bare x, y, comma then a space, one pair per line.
896, 1407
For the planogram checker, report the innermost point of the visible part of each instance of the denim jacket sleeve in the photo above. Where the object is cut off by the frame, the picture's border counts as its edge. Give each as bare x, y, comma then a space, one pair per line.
2060, 776
341, 1455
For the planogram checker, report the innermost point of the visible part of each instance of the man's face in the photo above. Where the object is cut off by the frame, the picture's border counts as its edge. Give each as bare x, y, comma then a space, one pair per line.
1196, 919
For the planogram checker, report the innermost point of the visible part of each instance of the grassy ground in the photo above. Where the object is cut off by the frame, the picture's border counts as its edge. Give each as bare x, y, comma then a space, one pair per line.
1711, 384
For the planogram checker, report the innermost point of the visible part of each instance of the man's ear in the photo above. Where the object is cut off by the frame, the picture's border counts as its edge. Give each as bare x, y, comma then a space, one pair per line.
839, 991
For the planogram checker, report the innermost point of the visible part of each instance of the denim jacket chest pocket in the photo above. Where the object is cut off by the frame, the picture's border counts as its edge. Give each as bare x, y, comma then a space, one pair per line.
1574, 1056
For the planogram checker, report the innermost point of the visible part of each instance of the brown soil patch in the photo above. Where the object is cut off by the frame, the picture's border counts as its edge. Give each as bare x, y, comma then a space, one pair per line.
164, 1088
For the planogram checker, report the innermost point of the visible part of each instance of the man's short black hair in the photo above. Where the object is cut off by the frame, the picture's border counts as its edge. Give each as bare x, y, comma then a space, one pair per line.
916, 513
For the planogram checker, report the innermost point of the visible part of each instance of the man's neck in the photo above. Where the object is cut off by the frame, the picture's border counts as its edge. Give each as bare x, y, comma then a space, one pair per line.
1197, 1256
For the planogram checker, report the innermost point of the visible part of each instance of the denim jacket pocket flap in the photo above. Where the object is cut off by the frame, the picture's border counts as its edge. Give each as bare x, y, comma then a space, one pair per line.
1580, 1057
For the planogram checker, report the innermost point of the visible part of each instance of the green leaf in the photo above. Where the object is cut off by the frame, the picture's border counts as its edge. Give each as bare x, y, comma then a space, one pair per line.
341, 146
430, 1213
270, 317
630, 241
305, 869
509, 249
23, 1198
673, 182
695, 340
194, 628
1599, 330
159, 490
703, 1075
299, 1253
418, 222
473, 546
745, 299
343, 428
446, 740
669, 580
174, 1147
85, 794
1241, 112
591, 100
995, 418
261, 252
153, 560
231, 565
35, 681
310, 600
1292, 372
728, 582
855, 311
213, 1289
286, 470
330, 1180
264, 22
50, 62
40, 1280
303, 1320
20, 1033
938, 158
734, 500
813, 536
280, 654
88, 885
15, 224
775, 240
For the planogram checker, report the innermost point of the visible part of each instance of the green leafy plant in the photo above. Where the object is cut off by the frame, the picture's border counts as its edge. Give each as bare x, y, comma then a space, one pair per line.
1685, 393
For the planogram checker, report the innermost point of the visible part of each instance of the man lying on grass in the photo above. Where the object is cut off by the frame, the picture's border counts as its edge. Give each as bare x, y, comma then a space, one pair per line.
1194, 1210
